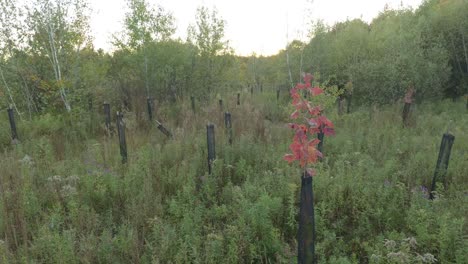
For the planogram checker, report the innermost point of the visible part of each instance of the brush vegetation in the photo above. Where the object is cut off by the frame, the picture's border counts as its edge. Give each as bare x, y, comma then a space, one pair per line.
66, 197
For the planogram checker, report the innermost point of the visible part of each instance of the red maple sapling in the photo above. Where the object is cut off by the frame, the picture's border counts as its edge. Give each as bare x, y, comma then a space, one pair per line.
304, 145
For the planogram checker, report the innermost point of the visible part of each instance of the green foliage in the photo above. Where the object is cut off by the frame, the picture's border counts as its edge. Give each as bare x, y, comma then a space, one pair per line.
47, 60
443, 25
66, 197
56, 30
144, 24
212, 50
381, 59
208, 34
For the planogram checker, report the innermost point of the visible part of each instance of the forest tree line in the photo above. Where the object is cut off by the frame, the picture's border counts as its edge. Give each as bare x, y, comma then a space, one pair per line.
48, 62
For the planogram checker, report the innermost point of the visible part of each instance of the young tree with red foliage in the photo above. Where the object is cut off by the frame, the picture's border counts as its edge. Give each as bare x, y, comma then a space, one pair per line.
304, 145
304, 150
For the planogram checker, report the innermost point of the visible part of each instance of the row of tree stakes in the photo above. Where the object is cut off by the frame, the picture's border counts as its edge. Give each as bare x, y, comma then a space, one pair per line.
209, 129
439, 174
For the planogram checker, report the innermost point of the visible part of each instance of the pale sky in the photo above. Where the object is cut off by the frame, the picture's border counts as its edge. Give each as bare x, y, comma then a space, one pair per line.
259, 26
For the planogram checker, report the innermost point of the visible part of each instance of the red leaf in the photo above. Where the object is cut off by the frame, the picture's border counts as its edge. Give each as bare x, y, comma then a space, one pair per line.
295, 115
327, 131
293, 91
323, 120
319, 154
316, 91
300, 136
300, 86
289, 158
314, 142
311, 154
315, 110
296, 102
313, 122
303, 128
296, 149
308, 78
302, 163
314, 130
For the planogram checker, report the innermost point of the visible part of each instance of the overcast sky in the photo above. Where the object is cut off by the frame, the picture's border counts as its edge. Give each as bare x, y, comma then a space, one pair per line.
260, 26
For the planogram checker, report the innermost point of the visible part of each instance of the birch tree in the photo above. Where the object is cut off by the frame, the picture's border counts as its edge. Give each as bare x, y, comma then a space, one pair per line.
207, 35
59, 30
10, 39
143, 25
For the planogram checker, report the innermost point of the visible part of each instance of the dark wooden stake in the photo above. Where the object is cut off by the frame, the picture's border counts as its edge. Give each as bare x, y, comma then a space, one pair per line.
251, 90
306, 232
238, 98
149, 104
221, 104
91, 112
210, 138
107, 116
192, 98
340, 105
11, 117
164, 130
228, 125
406, 113
122, 141
277, 94
442, 161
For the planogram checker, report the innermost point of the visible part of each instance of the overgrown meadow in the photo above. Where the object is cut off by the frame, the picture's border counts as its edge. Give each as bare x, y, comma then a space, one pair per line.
66, 197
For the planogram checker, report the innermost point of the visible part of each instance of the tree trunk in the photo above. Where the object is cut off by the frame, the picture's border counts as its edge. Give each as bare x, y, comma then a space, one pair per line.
146, 75
306, 232
465, 51
456, 57
442, 161
289, 68
56, 65
9, 93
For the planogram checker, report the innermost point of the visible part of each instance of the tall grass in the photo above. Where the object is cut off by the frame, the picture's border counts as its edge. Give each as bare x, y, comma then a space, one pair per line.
65, 197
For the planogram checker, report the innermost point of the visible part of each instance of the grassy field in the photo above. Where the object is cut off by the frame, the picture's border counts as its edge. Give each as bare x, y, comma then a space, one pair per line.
66, 197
